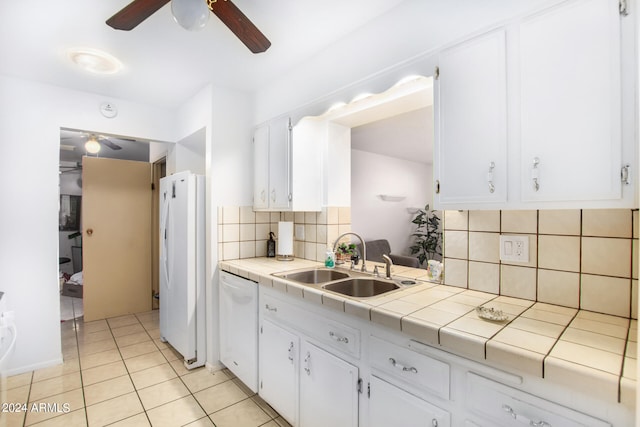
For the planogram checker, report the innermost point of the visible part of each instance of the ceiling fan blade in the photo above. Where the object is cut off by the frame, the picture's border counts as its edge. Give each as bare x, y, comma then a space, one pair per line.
239, 25
110, 144
134, 13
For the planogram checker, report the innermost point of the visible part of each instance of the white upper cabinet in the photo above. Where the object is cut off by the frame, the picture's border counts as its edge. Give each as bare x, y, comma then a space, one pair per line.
287, 168
570, 119
471, 152
535, 112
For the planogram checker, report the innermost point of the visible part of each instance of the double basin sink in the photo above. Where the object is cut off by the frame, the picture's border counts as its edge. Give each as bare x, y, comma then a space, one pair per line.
356, 285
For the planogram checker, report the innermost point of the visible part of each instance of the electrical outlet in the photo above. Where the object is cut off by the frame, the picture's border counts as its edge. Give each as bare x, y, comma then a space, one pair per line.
514, 248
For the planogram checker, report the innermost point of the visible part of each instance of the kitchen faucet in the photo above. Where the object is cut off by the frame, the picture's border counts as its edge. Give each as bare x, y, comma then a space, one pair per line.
388, 263
364, 247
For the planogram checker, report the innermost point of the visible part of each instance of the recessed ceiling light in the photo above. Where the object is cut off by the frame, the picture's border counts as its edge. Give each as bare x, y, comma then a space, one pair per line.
94, 60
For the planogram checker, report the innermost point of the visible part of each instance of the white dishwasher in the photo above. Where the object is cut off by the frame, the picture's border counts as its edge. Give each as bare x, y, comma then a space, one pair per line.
239, 327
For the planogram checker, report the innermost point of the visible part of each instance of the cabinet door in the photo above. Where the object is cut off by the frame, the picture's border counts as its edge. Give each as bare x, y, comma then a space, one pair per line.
328, 389
570, 103
392, 406
279, 370
279, 163
261, 167
471, 123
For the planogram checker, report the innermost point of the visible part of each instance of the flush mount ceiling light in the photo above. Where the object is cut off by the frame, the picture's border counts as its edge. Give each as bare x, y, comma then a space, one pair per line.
94, 60
192, 15
92, 145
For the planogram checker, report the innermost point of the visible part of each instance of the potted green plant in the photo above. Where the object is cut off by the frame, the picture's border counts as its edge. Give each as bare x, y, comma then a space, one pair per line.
428, 236
345, 252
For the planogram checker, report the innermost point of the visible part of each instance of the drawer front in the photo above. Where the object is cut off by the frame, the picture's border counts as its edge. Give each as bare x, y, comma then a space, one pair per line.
408, 367
506, 406
336, 335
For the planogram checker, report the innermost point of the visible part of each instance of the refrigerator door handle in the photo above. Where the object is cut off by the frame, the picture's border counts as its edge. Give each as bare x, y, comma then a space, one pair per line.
165, 242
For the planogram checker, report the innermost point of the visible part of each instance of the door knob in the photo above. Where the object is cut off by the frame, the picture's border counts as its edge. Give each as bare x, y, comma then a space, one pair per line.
89, 231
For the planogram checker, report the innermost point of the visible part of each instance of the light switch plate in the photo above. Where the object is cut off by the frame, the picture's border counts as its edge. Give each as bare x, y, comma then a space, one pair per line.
514, 248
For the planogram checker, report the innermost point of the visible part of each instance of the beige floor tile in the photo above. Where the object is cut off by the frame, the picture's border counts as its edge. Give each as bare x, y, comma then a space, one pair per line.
242, 414
145, 361
202, 378
170, 353
154, 333
215, 398
138, 349
152, 376
264, 406
107, 390
56, 385
139, 420
202, 422
98, 359
72, 419
282, 422
71, 401
94, 336
178, 366
162, 393
19, 380
17, 394
113, 410
117, 322
132, 339
103, 373
86, 349
127, 330
68, 366
95, 326
176, 413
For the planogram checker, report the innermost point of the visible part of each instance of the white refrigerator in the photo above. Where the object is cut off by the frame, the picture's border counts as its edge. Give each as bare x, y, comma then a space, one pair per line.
182, 266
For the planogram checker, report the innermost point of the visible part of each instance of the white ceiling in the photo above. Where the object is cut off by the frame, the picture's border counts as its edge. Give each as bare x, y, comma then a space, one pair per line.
165, 65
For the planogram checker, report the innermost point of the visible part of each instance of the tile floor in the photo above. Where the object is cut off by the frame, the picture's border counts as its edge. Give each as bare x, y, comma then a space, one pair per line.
117, 372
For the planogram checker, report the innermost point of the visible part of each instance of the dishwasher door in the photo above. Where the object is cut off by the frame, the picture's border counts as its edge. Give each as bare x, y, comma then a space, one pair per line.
239, 327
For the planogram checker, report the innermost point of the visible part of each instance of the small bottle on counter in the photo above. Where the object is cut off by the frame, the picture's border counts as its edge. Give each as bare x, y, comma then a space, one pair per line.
329, 259
271, 246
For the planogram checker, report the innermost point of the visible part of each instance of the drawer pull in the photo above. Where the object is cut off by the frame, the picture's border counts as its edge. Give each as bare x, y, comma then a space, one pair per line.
338, 337
402, 367
522, 419
307, 368
269, 308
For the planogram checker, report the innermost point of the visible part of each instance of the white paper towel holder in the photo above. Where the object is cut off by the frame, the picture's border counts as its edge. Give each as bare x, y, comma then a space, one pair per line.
285, 258
285, 231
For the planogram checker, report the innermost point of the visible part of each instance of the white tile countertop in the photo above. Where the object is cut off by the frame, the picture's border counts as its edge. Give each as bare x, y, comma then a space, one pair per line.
574, 347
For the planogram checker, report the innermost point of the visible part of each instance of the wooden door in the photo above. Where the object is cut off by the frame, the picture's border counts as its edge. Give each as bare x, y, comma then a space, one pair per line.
116, 223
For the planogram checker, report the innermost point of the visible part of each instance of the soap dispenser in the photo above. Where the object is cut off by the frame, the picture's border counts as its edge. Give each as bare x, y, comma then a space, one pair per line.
330, 258
271, 246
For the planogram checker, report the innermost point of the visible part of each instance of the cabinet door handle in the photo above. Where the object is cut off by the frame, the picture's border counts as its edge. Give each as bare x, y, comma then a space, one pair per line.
262, 195
492, 187
291, 352
625, 174
522, 419
273, 195
535, 174
437, 185
269, 308
338, 337
402, 367
307, 359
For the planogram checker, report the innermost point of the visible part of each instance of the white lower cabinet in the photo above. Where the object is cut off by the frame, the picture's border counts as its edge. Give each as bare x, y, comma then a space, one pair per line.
328, 389
278, 370
391, 406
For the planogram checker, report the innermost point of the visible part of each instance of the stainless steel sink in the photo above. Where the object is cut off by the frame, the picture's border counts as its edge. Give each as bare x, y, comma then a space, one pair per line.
314, 276
361, 287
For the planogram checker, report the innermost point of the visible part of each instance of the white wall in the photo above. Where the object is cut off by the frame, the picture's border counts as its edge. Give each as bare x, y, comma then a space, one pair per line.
374, 174
31, 115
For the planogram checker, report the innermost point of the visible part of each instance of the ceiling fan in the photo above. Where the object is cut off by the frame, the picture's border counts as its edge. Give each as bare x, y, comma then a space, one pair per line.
93, 143
139, 10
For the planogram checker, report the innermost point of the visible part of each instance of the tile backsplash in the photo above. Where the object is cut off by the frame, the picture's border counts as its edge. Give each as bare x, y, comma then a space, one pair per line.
584, 259
243, 233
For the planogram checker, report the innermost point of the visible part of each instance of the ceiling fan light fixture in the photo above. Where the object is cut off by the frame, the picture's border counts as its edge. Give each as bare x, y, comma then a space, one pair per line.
192, 15
94, 60
92, 145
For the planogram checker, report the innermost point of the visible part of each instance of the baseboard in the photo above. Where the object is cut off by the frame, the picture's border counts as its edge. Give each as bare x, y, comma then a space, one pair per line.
22, 369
